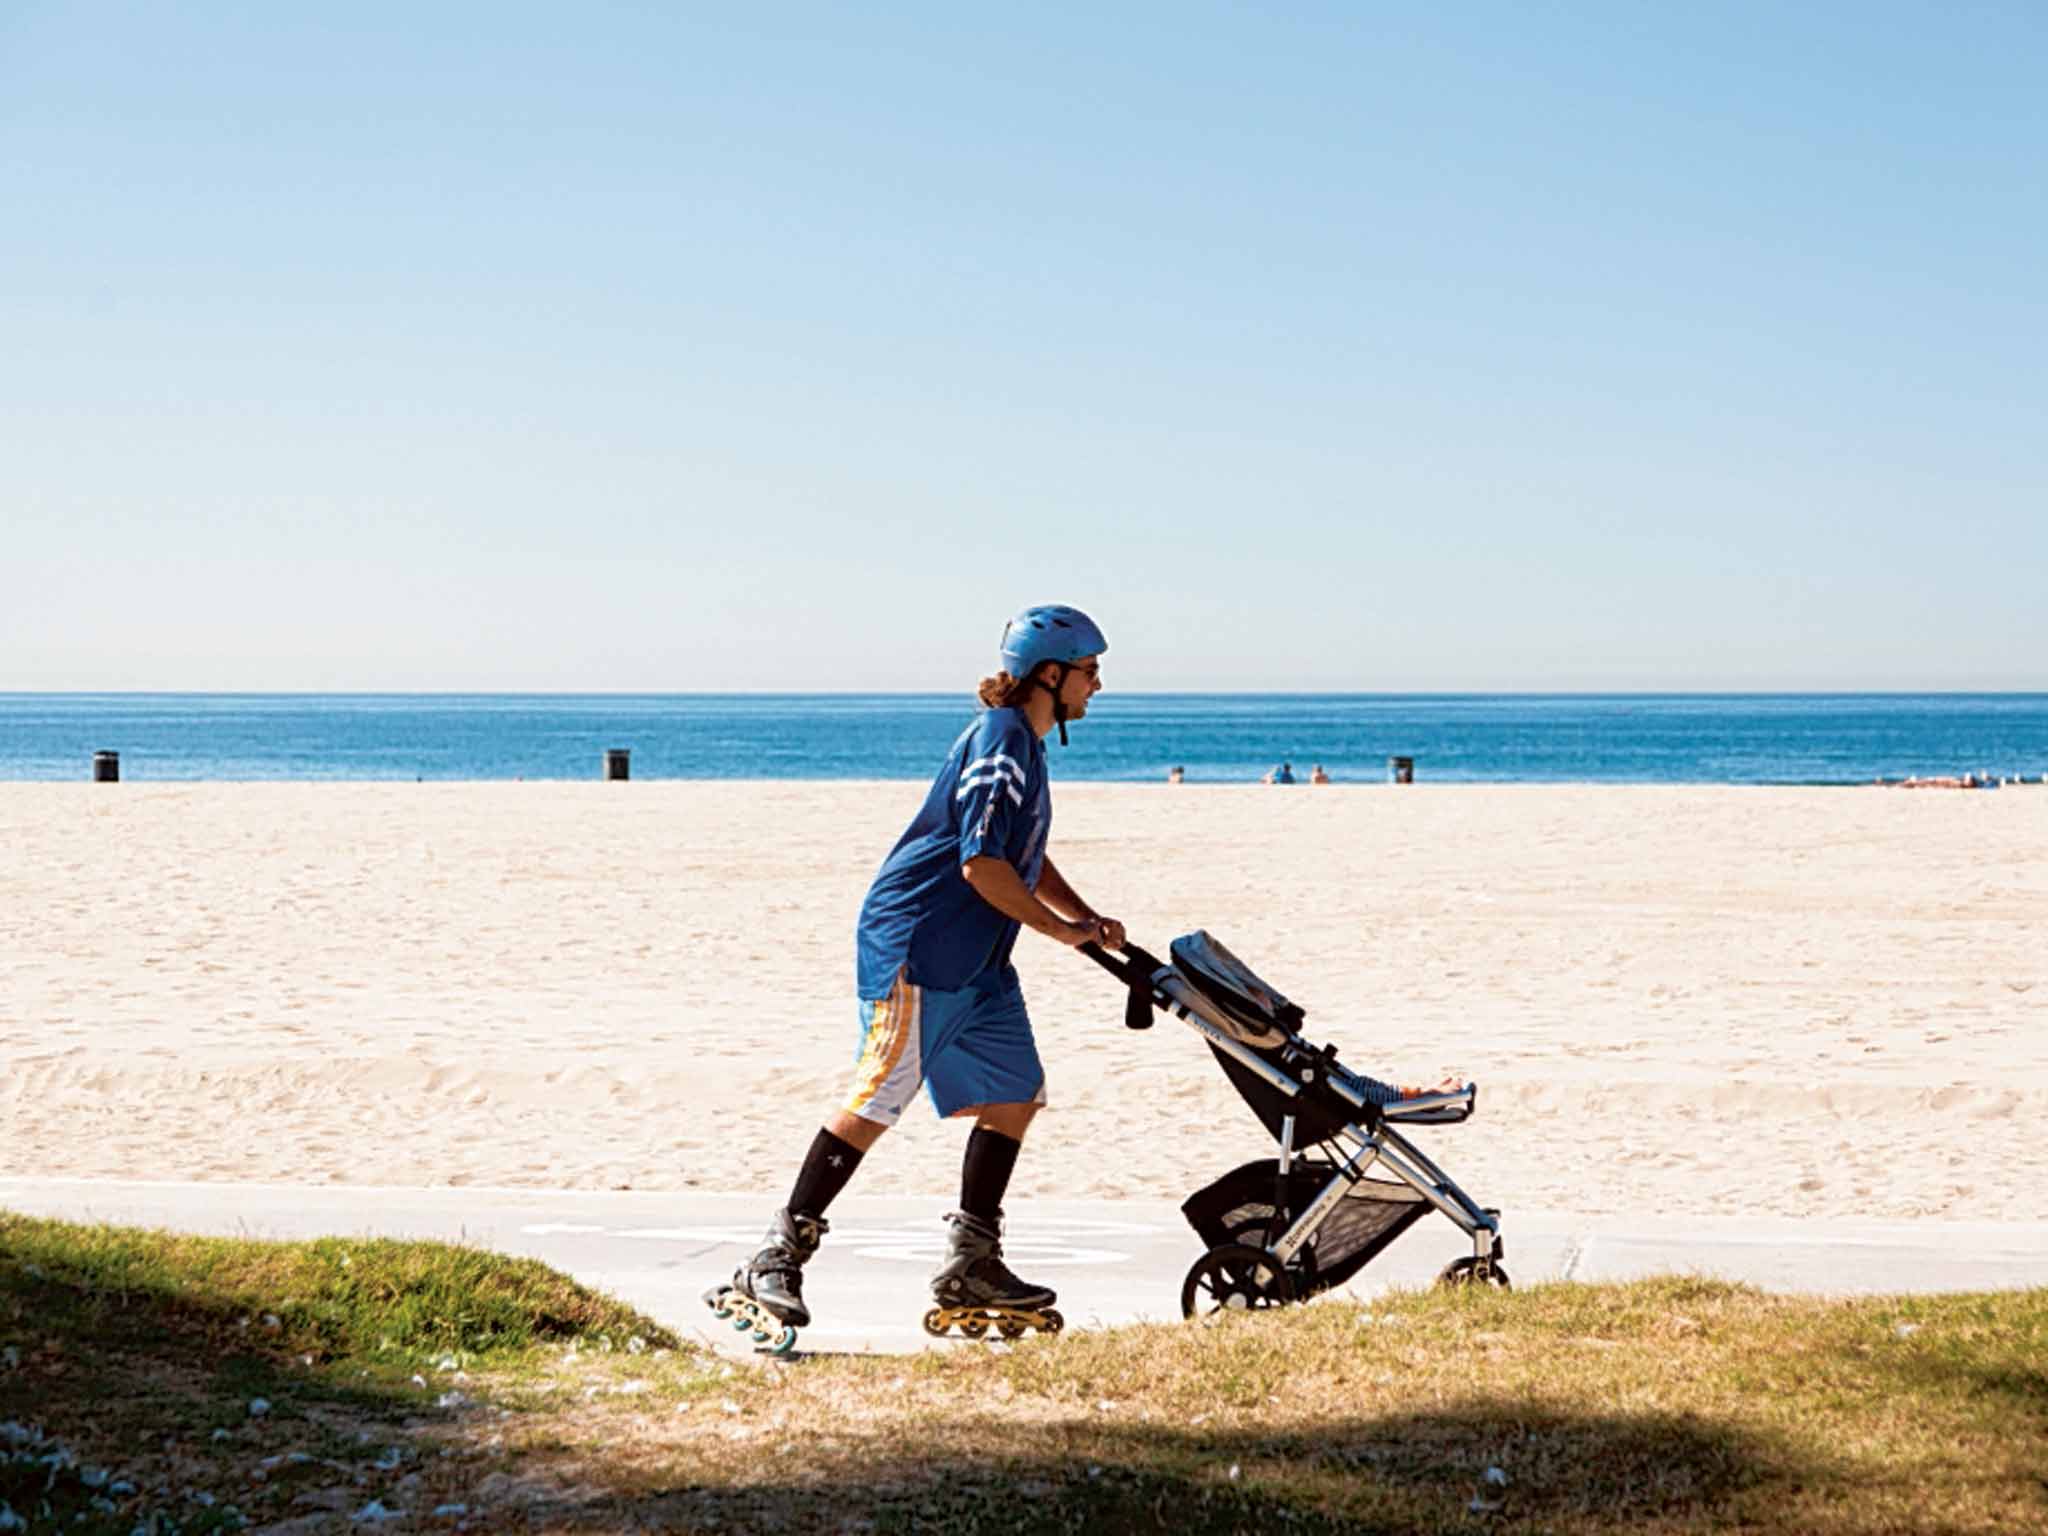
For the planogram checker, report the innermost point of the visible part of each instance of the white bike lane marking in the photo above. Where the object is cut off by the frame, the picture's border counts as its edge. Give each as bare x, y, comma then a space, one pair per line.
1074, 1242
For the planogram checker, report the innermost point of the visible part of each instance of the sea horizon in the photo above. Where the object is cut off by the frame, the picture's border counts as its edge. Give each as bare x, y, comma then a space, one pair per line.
940, 693
1837, 737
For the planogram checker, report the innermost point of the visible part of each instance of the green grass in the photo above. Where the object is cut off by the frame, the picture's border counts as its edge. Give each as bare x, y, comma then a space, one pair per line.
140, 1354
1664, 1406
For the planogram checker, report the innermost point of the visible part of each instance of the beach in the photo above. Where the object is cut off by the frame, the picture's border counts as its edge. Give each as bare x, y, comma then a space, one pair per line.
1707, 1001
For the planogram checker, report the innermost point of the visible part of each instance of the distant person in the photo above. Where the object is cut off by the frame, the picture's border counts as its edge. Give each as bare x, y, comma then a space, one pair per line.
1176, 775
1284, 774
1317, 776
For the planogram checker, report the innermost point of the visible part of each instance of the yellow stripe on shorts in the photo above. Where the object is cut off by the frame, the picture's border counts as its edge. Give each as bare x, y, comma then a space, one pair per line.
891, 1030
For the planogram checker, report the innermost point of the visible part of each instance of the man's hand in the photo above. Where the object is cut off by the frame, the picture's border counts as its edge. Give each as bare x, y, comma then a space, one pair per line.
1106, 931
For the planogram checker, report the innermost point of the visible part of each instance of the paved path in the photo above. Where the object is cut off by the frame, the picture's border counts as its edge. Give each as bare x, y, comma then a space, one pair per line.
1112, 1261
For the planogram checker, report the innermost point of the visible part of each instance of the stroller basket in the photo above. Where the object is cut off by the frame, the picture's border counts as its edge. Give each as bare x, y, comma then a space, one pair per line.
1238, 1208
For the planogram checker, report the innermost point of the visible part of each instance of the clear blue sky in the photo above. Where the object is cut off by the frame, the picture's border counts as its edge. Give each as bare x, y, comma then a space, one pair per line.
1357, 346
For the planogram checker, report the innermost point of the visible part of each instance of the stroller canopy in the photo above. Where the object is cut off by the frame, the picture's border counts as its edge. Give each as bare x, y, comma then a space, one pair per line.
1255, 1012
1258, 1017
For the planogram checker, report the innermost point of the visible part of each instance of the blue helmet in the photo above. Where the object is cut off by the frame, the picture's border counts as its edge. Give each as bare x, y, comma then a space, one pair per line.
1049, 632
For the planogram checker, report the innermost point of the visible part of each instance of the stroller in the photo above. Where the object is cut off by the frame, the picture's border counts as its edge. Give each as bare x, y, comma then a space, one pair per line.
1282, 1229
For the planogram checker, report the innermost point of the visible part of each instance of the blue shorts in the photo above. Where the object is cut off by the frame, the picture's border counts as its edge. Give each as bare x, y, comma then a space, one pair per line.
968, 1048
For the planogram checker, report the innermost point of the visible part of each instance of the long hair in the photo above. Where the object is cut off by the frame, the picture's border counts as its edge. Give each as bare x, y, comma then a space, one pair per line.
1003, 691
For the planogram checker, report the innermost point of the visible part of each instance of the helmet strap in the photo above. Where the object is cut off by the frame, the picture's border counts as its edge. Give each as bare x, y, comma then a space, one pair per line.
1058, 692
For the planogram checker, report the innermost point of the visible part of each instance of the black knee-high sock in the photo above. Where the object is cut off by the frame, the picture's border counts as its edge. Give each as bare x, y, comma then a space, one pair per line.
985, 1172
827, 1167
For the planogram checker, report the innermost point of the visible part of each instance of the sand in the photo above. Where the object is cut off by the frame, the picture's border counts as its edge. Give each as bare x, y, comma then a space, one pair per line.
1828, 1002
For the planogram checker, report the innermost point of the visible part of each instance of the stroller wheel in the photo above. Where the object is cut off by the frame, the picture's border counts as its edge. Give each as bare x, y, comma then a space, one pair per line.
1469, 1271
1301, 1271
1234, 1278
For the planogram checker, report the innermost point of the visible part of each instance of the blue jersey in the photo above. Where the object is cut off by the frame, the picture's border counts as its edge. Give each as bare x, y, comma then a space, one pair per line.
921, 915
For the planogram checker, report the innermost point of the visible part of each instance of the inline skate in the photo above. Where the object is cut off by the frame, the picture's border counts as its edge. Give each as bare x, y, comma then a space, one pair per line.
976, 1291
766, 1295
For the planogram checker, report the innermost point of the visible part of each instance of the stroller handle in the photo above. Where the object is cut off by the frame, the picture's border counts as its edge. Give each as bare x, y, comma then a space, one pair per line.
1135, 970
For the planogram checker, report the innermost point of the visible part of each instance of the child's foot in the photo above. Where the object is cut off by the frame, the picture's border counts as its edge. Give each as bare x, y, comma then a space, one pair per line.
1448, 1085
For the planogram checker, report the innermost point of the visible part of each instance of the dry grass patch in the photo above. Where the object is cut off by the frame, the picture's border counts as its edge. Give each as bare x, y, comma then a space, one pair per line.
1664, 1406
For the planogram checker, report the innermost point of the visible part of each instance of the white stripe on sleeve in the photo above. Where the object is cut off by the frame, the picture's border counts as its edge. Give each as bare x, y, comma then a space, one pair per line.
971, 785
1000, 762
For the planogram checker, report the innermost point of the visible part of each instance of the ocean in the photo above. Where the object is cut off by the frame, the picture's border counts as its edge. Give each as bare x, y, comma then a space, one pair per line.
1216, 738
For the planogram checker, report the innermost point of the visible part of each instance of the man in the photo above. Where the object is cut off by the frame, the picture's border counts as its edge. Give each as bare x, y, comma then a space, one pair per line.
939, 1000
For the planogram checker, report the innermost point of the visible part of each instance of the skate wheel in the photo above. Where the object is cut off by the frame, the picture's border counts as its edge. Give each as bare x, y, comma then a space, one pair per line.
1010, 1328
935, 1323
720, 1305
742, 1323
783, 1342
1051, 1322
974, 1327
